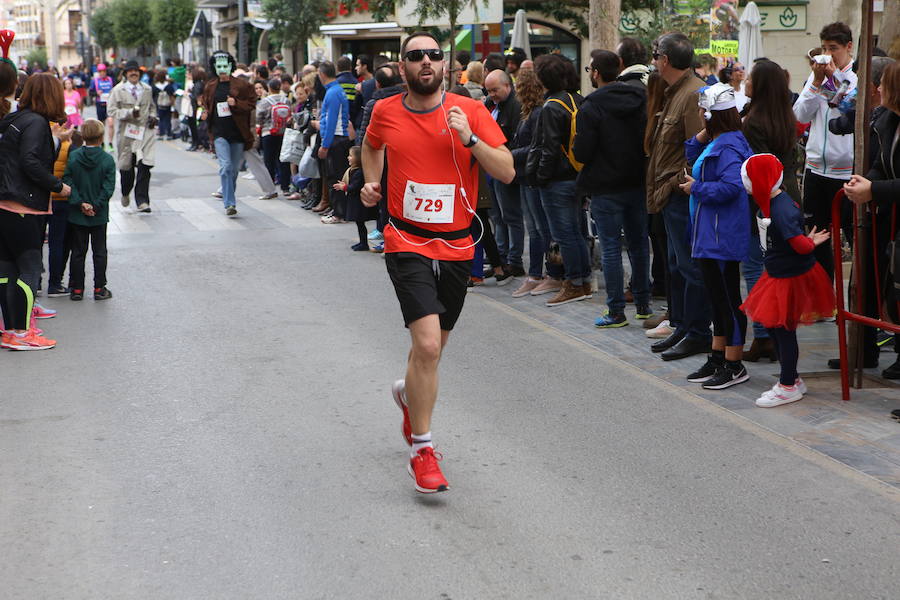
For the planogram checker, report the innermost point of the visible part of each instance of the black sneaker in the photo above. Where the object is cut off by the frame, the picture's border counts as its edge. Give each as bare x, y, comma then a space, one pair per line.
503, 278
516, 270
56, 291
76, 295
727, 376
707, 371
883, 337
643, 312
102, 293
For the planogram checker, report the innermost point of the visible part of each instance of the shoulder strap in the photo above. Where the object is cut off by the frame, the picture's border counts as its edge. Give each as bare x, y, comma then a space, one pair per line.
564, 105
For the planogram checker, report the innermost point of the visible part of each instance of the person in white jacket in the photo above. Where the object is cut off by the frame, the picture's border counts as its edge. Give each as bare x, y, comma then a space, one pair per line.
829, 157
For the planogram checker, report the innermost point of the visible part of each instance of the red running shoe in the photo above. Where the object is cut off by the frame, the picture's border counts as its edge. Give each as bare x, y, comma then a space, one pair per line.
399, 392
424, 469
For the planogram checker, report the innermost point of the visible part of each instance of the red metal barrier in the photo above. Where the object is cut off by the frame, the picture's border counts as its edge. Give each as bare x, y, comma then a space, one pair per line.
843, 315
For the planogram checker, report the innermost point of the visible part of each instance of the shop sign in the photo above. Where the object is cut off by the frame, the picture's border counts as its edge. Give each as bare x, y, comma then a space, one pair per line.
789, 17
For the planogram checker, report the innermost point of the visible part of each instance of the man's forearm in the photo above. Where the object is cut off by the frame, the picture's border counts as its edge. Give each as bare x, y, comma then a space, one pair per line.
497, 162
372, 163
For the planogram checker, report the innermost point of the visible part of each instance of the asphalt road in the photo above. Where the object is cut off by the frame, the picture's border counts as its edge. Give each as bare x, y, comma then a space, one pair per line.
223, 428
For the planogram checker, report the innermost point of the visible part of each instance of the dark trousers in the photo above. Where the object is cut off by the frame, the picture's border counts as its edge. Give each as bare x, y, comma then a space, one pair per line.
689, 306
21, 237
192, 127
659, 271
141, 186
101, 112
279, 171
818, 192
335, 165
488, 243
58, 241
79, 236
165, 121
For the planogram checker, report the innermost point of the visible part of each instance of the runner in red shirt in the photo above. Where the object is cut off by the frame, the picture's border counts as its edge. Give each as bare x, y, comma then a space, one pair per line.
434, 143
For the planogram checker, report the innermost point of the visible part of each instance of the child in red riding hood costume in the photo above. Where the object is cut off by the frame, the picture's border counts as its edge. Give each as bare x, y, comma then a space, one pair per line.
794, 290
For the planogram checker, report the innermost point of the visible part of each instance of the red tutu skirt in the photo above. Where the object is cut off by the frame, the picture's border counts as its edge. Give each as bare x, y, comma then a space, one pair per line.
792, 301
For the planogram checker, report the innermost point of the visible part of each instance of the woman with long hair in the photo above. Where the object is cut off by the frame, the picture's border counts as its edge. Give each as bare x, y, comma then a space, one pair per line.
770, 128
531, 93
27, 152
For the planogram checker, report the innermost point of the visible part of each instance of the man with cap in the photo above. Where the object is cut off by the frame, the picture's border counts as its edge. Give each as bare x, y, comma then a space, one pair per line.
132, 107
101, 87
229, 104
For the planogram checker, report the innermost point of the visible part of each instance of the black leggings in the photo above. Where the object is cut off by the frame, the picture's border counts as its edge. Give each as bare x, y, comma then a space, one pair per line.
788, 354
21, 237
487, 241
818, 192
723, 284
363, 232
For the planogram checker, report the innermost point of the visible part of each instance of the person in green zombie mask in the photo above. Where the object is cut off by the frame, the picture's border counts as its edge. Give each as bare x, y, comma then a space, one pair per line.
229, 103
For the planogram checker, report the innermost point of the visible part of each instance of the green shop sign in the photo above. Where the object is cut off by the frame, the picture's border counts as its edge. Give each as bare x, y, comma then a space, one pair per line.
783, 17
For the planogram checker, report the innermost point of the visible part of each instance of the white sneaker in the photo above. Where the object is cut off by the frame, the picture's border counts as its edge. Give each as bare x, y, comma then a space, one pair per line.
660, 332
799, 384
779, 395
126, 199
248, 176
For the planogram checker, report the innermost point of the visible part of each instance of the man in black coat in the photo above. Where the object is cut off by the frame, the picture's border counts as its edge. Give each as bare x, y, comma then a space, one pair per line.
507, 213
609, 140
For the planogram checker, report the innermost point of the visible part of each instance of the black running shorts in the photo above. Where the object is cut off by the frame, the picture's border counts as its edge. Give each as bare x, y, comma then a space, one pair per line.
428, 287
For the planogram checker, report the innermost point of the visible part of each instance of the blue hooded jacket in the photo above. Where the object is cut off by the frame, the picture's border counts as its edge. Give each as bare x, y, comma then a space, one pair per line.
720, 227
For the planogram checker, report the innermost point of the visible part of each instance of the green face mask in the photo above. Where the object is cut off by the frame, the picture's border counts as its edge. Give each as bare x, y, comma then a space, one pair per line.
223, 65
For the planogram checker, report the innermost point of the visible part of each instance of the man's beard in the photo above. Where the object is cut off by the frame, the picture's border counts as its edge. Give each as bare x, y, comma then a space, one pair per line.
416, 85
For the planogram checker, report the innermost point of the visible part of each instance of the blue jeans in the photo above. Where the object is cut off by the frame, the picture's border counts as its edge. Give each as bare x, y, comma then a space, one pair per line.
689, 311
538, 233
507, 195
752, 268
563, 209
614, 213
230, 155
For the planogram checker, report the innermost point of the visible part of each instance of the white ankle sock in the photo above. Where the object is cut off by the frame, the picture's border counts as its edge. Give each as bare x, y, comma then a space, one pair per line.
419, 442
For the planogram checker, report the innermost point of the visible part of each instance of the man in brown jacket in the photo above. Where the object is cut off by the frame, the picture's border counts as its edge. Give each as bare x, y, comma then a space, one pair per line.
678, 121
228, 104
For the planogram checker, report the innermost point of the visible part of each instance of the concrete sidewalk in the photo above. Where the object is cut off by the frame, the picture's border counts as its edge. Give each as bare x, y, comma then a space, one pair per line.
859, 433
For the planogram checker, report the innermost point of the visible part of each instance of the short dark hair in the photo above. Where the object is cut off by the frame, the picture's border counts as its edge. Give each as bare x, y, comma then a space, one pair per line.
722, 121
386, 76
516, 55
463, 57
326, 68
275, 84
606, 63
344, 64
366, 60
836, 32
380, 61
271, 63
413, 36
555, 71
677, 47
632, 52
287, 79
262, 71
494, 61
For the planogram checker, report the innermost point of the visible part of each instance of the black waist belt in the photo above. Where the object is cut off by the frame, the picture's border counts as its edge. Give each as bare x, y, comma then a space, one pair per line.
427, 233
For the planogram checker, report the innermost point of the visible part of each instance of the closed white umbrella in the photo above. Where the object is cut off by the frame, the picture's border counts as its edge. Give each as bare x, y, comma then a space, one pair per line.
519, 38
750, 37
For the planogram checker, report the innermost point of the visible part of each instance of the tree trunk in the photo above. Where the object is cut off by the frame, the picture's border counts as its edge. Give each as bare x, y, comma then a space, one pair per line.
603, 23
889, 35
452, 79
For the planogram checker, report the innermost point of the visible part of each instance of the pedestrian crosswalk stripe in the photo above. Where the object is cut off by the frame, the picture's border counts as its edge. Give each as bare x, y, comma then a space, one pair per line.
281, 211
203, 216
121, 220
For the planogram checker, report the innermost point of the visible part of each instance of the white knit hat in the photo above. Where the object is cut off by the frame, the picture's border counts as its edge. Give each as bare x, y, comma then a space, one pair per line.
719, 96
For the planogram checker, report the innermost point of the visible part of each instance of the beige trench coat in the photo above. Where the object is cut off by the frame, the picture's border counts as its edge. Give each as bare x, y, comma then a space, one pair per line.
120, 106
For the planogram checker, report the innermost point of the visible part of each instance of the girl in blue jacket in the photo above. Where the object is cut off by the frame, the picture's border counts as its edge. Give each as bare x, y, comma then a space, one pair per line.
720, 231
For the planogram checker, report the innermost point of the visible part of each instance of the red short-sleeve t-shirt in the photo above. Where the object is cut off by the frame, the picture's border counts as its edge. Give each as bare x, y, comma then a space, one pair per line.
420, 150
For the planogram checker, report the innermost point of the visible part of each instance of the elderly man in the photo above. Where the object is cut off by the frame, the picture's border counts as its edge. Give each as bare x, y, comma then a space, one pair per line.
132, 107
507, 213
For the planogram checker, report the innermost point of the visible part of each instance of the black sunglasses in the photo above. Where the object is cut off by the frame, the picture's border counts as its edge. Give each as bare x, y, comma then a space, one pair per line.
434, 54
